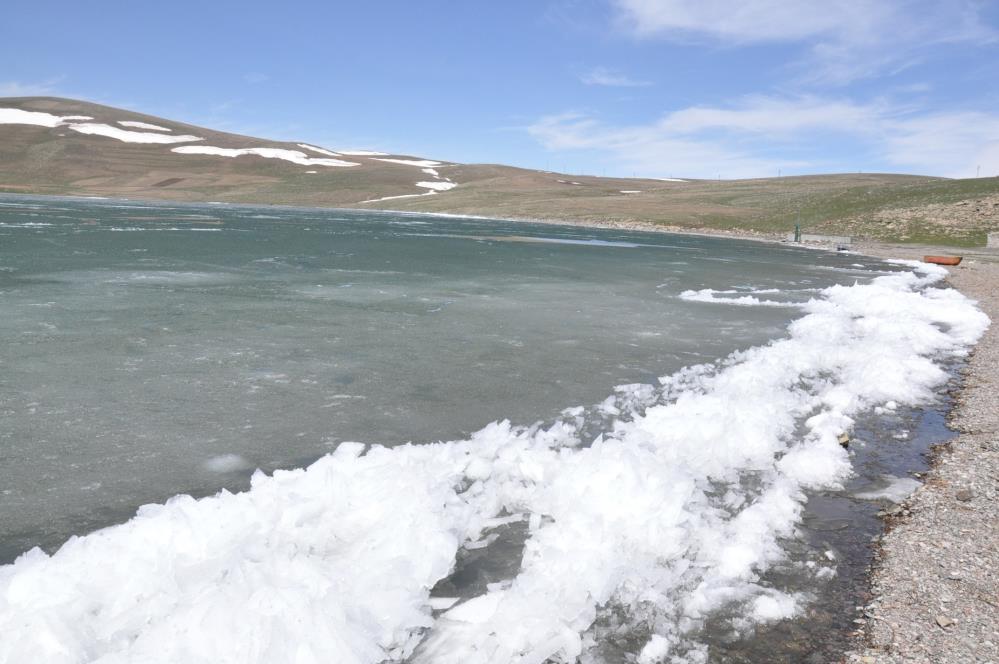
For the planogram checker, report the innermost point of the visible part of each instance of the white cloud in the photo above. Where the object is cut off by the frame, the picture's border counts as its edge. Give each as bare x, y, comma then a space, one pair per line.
759, 134
755, 20
256, 77
20, 89
611, 78
952, 143
650, 150
847, 39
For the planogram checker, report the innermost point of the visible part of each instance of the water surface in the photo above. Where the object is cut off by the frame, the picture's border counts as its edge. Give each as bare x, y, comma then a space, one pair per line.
152, 349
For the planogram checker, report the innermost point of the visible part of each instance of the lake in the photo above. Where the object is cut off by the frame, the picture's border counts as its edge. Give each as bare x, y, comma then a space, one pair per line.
630, 447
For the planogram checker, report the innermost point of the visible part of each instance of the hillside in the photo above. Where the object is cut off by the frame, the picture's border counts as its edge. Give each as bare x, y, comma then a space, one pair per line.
62, 146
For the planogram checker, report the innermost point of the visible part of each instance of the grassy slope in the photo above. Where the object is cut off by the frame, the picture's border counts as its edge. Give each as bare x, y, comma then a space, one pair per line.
846, 204
880, 206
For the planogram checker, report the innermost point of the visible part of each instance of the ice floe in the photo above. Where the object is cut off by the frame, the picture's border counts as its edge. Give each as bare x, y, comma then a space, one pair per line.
895, 489
294, 156
227, 463
667, 518
711, 295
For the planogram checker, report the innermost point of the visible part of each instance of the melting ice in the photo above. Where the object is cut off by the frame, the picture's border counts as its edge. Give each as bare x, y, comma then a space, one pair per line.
668, 516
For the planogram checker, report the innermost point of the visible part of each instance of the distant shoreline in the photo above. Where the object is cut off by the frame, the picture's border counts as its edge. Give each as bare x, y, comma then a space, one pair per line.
638, 226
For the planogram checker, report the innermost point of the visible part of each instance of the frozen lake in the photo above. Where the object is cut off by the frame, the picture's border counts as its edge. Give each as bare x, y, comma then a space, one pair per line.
155, 349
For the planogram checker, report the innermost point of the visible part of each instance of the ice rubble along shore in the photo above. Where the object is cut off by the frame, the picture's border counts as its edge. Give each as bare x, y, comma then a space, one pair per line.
670, 514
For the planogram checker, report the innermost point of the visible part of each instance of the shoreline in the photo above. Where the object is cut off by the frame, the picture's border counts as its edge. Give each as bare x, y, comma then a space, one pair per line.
638, 226
934, 582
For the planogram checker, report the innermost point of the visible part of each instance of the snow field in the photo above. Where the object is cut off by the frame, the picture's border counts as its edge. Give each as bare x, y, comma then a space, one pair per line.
135, 124
294, 156
17, 116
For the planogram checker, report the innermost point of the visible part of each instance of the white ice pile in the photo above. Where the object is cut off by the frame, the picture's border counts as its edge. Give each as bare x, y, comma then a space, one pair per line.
73, 122
294, 156
711, 295
894, 489
671, 514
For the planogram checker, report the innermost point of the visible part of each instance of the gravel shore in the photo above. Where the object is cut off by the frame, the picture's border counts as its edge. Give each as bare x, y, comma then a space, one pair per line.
935, 581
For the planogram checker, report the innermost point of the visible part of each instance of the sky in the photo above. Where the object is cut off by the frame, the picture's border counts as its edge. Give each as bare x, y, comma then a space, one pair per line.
652, 88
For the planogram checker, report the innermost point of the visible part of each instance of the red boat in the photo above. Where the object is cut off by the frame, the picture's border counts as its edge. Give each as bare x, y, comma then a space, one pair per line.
943, 260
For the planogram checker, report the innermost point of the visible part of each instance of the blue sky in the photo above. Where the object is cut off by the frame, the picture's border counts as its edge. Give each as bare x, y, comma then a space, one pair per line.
654, 88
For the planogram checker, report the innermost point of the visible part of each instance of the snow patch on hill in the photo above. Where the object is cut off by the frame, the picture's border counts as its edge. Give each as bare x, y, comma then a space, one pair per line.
438, 186
38, 118
294, 156
324, 151
392, 198
421, 163
98, 129
363, 153
135, 124
17, 116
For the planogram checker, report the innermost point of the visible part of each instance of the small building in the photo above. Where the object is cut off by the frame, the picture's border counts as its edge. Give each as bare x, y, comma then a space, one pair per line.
993, 241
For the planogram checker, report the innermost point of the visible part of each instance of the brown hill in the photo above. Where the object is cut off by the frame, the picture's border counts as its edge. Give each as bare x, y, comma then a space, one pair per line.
46, 147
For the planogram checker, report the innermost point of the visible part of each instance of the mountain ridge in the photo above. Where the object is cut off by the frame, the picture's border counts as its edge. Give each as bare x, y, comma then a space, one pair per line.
54, 145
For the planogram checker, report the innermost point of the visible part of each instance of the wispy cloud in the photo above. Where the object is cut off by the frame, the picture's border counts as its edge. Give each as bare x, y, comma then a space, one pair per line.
759, 134
256, 77
611, 78
845, 39
22, 89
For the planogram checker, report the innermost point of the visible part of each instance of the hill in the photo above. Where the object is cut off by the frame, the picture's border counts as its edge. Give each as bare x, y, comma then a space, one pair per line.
62, 146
